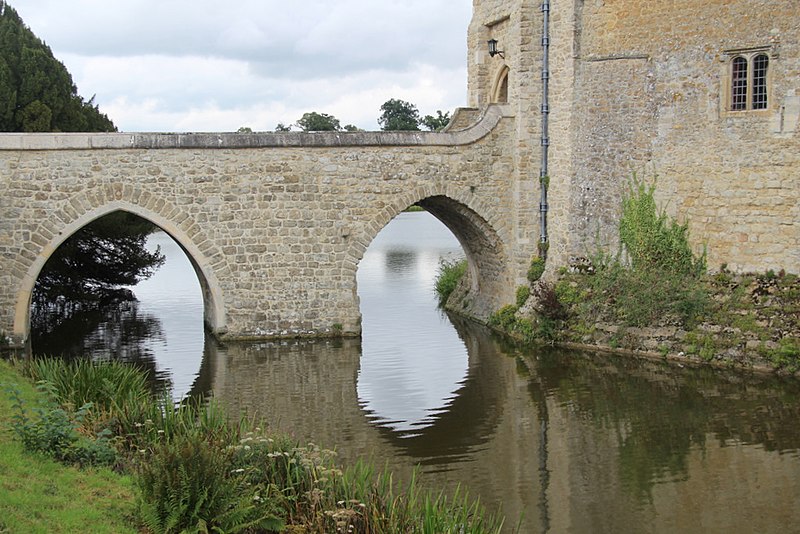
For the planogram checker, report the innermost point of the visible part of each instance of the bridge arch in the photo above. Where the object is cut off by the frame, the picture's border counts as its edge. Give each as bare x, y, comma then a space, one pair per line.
69, 220
477, 228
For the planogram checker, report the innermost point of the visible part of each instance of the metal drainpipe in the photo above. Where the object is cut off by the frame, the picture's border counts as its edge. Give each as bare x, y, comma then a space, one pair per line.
543, 177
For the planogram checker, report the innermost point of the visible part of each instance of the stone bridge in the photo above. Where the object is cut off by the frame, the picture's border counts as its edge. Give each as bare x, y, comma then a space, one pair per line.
275, 224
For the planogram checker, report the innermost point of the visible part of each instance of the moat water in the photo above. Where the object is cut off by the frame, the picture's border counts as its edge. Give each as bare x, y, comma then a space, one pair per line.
559, 441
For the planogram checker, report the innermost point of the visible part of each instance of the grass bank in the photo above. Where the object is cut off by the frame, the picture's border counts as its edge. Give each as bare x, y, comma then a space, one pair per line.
40, 494
749, 320
188, 468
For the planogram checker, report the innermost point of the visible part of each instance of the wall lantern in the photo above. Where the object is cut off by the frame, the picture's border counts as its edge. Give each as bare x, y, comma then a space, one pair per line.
493, 51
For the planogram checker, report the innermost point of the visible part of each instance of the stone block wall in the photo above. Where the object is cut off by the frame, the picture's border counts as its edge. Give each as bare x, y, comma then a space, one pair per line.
275, 224
654, 81
639, 86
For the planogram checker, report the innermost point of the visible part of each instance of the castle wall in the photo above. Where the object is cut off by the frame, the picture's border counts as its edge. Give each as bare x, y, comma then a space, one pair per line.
652, 95
644, 87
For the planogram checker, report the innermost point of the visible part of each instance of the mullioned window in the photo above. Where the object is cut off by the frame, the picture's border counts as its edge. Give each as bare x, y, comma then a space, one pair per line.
748, 85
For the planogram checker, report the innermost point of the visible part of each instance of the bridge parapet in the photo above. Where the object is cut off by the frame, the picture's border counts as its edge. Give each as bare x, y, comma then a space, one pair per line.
484, 122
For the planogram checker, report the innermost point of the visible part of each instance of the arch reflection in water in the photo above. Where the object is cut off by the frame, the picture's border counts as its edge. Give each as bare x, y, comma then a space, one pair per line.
174, 294
413, 362
577, 442
309, 389
161, 331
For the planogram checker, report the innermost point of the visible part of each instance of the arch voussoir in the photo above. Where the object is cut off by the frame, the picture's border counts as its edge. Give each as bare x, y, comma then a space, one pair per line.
90, 205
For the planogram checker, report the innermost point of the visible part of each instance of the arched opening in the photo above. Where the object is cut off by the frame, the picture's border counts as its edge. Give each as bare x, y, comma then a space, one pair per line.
161, 327
414, 361
500, 86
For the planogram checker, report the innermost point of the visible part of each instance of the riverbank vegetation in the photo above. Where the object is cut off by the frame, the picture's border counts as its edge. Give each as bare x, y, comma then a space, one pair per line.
161, 467
447, 278
654, 295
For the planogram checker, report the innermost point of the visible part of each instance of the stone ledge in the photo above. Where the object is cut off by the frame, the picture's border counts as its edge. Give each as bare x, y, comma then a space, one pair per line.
486, 122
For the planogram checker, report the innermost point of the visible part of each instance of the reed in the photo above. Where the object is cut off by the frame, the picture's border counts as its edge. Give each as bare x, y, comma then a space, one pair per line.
106, 385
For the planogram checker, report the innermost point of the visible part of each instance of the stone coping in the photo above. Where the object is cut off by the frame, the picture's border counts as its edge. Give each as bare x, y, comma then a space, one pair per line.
487, 121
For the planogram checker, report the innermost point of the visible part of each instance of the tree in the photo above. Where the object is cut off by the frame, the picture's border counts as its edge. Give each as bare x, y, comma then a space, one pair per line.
435, 124
398, 115
280, 127
318, 122
37, 93
93, 263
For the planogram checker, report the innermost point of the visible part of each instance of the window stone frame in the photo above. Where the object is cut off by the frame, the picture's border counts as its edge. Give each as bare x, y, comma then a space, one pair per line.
729, 57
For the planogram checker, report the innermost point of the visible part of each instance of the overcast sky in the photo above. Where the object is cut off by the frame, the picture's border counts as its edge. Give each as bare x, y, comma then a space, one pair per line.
181, 65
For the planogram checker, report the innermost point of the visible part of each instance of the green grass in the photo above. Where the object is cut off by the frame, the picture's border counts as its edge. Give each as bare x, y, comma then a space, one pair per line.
38, 494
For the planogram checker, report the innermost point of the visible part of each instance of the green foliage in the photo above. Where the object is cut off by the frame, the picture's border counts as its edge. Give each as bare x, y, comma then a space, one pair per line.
787, 354
637, 297
652, 239
37, 93
199, 470
544, 182
536, 269
399, 115
504, 318
448, 277
280, 127
318, 122
187, 484
523, 292
436, 123
41, 494
570, 293
52, 430
662, 283
104, 385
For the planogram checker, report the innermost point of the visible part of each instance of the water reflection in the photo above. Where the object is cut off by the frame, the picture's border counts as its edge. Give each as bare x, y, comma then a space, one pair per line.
569, 441
669, 449
572, 441
120, 332
404, 385
162, 331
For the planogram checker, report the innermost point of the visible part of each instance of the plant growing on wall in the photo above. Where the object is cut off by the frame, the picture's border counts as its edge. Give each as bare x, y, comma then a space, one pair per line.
651, 238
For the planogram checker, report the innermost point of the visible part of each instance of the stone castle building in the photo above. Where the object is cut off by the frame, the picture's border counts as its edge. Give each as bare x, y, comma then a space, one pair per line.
705, 94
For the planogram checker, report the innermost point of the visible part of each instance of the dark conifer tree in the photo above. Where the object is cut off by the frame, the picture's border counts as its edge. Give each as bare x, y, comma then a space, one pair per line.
37, 94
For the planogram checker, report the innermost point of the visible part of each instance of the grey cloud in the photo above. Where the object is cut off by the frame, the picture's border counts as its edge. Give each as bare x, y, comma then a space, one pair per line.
311, 35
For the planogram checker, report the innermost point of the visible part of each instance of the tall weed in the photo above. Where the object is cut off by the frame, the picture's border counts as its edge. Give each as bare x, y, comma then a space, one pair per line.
653, 240
660, 282
108, 386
